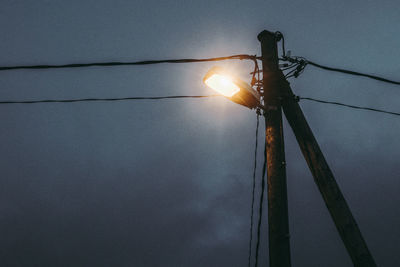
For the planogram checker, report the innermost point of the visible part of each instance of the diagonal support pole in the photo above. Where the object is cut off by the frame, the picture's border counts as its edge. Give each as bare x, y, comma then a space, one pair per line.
323, 177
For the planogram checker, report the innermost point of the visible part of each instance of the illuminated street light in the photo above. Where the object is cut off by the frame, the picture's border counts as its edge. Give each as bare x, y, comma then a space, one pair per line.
232, 88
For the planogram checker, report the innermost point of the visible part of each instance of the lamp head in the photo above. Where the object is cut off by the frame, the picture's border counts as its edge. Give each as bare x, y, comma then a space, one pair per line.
231, 87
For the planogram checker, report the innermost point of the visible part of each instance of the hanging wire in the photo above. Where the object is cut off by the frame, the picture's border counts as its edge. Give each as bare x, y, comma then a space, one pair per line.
255, 72
353, 73
347, 105
304, 62
176, 97
290, 73
279, 36
298, 69
104, 99
253, 191
308, 62
109, 64
260, 211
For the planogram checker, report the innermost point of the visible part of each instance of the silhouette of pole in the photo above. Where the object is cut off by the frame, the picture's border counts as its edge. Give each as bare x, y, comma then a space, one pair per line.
278, 225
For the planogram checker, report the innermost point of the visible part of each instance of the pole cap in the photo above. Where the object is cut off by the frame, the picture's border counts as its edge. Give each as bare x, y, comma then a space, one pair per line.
265, 34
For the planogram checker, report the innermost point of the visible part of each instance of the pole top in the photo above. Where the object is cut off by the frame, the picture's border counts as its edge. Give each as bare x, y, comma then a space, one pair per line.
265, 34
269, 50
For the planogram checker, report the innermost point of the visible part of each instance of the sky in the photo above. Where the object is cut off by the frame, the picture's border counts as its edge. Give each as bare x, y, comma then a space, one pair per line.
168, 183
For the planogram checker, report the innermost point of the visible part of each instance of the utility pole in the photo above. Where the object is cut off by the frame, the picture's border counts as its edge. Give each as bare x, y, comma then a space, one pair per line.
278, 222
277, 95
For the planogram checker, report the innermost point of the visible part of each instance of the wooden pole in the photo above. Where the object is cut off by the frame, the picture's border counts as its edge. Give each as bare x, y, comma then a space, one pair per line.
323, 177
278, 225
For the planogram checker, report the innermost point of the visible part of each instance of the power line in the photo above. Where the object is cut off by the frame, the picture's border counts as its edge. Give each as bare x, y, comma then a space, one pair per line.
260, 210
308, 62
353, 73
104, 99
254, 186
304, 61
176, 97
192, 60
349, 106
116, 63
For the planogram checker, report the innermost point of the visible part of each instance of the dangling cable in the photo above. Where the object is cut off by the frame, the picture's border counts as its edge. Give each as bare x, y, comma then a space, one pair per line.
256, 71
254, 186
261, 204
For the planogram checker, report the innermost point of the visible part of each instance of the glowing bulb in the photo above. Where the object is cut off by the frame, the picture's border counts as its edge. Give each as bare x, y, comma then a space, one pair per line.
222, 84
232, 87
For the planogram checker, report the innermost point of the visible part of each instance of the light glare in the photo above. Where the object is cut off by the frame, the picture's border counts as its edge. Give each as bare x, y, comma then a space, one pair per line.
222, 84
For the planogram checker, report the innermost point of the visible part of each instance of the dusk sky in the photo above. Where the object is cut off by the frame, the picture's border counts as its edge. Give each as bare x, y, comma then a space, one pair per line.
168, 183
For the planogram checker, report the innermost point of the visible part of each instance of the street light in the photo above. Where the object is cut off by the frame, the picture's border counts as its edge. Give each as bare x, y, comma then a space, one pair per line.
277, 94
232, 88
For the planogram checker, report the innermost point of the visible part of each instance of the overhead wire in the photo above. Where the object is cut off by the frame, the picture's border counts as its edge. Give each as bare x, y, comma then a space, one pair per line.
378, 78
193, 60
9, 102
131, 63
104, 99
297, 59
279, 36
348, 105
308, 62
253, 191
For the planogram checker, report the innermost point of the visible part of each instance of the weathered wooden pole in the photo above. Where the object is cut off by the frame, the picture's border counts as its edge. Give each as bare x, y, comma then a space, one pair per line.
278, 222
